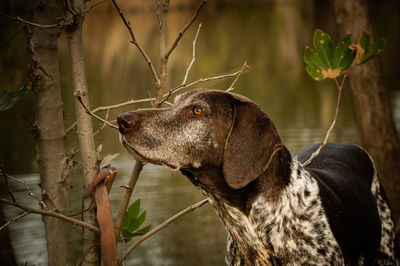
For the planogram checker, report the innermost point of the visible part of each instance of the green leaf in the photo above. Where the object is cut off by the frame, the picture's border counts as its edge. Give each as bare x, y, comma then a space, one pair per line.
142, 231
131, 214
326, 60
135, 224
128, 235
366, 49
8, 99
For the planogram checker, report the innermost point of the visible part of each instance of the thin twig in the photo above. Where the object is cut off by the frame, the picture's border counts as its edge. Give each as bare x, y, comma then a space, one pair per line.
14, 219
94, 115
42, 26
28, 189
123, 206
93, 5
166, 95
193, 55
329, 131
187, 26
103, 125
244, 67
159, 227
201, 80
53, 214
134, 41
3, 172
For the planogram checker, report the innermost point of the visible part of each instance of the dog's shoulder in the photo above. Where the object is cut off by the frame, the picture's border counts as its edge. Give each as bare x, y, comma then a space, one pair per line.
341, 160
344, 175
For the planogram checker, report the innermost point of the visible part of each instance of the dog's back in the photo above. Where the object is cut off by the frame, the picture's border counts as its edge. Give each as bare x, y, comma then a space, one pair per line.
354, 202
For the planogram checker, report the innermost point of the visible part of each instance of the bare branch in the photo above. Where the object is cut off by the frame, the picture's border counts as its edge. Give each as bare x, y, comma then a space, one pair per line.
14, 219
92, 114
53, 214
159, 227
140, 48
28, 189
127, 196
244, 67
42, 26
202, 80
166, 95
94, 5
187, 26
329, 131
193, 55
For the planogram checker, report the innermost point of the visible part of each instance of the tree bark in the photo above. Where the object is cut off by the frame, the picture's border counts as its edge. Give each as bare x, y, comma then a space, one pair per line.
90, 162
372, 105
49, 134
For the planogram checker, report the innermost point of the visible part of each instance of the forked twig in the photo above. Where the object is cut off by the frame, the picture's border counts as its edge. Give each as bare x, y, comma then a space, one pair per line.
27, 22
244, 67
193, 55
91, 113
201, 80
187, 26
28, 189
53, 214
329, 131
159, 227
134, 41
14, 219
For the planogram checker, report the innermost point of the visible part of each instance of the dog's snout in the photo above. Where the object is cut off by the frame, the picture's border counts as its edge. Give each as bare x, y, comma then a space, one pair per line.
126, 122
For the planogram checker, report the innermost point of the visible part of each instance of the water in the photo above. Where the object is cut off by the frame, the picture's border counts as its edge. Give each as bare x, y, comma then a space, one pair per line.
270, 37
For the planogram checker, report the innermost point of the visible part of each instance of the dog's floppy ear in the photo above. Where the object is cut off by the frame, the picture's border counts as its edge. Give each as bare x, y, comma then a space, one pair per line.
250, 145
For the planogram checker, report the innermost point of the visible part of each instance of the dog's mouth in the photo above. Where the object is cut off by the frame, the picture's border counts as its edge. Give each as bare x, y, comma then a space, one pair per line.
138, 156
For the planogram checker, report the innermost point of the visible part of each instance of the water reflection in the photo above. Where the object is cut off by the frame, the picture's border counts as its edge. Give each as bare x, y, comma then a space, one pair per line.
271, 38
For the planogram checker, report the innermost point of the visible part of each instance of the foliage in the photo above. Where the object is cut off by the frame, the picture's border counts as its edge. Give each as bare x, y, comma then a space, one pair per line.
328, 61
8, 99
132, 221
367, 50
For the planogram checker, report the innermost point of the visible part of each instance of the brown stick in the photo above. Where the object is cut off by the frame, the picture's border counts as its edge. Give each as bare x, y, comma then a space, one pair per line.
107, 234
158, 228
52, 213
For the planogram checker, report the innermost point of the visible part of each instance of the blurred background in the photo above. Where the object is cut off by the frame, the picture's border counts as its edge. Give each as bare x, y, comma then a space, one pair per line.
270, 34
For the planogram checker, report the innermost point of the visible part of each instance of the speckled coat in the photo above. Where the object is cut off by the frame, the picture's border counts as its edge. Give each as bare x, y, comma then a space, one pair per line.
276, 212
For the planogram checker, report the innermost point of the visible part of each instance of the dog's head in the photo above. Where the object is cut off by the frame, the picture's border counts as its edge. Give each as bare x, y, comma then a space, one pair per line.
204, 128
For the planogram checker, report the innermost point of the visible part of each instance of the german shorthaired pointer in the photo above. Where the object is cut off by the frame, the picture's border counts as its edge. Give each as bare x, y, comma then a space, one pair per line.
277, 212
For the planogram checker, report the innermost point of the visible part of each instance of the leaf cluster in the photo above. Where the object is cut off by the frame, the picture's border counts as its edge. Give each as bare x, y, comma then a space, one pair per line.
326, 60
132, 221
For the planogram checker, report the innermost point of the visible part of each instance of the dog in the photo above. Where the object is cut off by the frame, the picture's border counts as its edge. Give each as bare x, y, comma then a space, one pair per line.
276, 211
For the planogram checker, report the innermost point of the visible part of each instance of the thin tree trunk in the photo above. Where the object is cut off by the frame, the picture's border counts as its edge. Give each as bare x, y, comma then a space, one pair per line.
50, 132
90, 165
372, 105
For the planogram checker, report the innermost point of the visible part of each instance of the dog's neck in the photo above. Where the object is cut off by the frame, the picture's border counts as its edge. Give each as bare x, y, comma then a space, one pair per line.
270, 184
248, 212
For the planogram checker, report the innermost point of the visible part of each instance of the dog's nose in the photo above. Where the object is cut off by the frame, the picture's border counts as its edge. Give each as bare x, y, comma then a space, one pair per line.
126, 122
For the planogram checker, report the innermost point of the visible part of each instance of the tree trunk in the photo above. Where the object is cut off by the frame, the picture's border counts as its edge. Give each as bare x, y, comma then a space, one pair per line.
90, 165
372, 105
49, 135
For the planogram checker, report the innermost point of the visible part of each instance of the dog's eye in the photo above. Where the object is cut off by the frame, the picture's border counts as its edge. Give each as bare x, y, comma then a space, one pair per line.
196, 110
